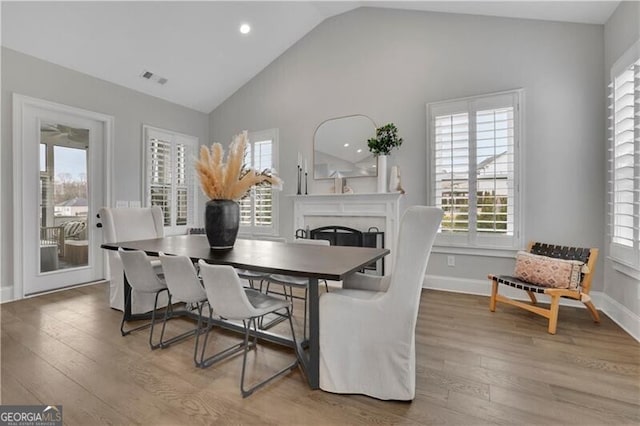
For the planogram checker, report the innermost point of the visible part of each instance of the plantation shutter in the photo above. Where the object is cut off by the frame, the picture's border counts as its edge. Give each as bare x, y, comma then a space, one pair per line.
263, 194
170, 177
473, 169
258, 211
624, 165
451, 183
246, 204
184, 182
495, 170
159, 169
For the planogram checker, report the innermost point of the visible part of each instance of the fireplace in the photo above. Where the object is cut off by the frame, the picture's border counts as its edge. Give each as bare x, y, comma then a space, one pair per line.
375, 216
345, 236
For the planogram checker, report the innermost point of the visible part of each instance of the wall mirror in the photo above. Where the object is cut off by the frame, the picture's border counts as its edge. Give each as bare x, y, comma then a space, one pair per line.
340, 148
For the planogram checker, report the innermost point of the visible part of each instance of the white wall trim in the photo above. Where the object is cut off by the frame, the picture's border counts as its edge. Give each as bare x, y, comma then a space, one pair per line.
621, 315
6, 294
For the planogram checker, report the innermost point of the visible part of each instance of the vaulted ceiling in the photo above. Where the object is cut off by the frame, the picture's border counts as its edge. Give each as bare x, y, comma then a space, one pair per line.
197, 46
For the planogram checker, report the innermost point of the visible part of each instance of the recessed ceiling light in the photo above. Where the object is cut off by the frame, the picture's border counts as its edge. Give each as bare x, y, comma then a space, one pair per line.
346, 145
245, 28
359, 150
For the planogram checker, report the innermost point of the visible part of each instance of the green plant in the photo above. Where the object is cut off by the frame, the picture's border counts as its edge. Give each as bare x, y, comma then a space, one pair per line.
386, 139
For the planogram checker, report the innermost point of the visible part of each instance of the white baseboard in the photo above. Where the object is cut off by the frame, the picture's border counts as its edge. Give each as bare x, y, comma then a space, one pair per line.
6, 294
620, 314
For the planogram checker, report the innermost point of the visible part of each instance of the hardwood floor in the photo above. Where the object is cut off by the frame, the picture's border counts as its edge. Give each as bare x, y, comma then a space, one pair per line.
473, 367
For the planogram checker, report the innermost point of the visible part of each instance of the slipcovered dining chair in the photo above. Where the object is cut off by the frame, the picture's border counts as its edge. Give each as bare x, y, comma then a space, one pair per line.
297, 282
367, 329
130, 224
142, 279
184, 285
229, 300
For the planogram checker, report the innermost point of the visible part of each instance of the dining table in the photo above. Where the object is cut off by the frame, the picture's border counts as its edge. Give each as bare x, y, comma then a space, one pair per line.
314, 262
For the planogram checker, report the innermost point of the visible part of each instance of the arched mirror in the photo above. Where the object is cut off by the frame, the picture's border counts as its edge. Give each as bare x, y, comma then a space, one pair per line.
340, 148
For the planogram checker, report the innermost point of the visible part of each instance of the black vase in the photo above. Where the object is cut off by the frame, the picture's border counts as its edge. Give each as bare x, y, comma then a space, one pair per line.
221, 222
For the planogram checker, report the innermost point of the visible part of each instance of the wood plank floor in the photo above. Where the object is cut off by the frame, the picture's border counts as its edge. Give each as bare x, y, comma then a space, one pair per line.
473, 367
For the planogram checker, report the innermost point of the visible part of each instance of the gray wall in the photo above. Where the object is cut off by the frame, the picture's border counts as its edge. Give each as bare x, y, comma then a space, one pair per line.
33, 77
388, 63
621, 31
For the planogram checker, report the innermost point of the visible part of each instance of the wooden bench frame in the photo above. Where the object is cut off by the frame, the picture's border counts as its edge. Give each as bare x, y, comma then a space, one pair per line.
551, 313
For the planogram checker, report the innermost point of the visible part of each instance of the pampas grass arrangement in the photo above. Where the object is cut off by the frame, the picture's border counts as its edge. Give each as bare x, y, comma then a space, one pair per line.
231, 180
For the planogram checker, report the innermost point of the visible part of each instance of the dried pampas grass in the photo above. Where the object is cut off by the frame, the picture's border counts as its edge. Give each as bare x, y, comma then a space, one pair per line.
231, 180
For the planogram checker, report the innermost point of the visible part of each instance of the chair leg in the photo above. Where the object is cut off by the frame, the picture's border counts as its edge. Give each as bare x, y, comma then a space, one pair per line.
247, 327
553, 314
140, 327
153, 320
166, 318
223, 354
127, 305
207, 329
198, 332
593, 311
168, 314
532, 296
494, 294
326, 286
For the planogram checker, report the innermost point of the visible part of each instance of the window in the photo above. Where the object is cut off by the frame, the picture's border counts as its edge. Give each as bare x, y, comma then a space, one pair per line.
624, 161
169, 178
474, 163
258, 211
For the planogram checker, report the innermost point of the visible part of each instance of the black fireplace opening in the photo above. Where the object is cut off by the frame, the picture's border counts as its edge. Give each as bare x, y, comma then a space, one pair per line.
344, 236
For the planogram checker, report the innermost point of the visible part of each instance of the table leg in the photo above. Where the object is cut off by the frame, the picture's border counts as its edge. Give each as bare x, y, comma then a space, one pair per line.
313, 372
127, 295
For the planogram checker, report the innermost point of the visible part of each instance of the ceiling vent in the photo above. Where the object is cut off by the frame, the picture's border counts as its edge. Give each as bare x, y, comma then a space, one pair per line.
148, 75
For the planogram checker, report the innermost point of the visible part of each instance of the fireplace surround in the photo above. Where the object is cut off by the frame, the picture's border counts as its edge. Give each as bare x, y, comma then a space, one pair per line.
361, 212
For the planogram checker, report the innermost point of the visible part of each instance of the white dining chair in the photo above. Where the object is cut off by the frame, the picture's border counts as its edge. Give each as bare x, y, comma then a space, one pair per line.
130, 224
291, 282
184, 286
144, 281
367, 329
229, 300
256, 276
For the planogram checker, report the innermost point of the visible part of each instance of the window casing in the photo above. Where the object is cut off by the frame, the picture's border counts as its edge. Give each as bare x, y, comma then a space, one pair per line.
259, 210
474, 159
169, 177
624, 160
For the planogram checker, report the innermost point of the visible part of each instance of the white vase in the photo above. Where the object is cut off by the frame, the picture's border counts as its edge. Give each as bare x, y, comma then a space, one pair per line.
382, 173
394, 179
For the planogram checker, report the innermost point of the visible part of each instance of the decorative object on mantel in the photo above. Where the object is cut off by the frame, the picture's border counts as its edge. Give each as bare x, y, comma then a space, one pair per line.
346, 189
386, 139
225, 184
337, 184
395, 184
306, 175
299, 169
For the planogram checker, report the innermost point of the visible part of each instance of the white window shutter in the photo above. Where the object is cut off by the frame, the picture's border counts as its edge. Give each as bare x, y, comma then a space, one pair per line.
170, 177
474, 163
258, 211
624, 166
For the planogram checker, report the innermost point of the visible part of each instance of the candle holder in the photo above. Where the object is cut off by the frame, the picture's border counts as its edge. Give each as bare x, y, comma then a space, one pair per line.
306, 191
299, 180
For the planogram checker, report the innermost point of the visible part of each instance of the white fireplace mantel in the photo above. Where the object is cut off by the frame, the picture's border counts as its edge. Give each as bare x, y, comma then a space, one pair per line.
359, 211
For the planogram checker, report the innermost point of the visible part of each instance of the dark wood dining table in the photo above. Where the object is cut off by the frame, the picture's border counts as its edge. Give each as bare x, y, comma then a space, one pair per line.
314, 262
